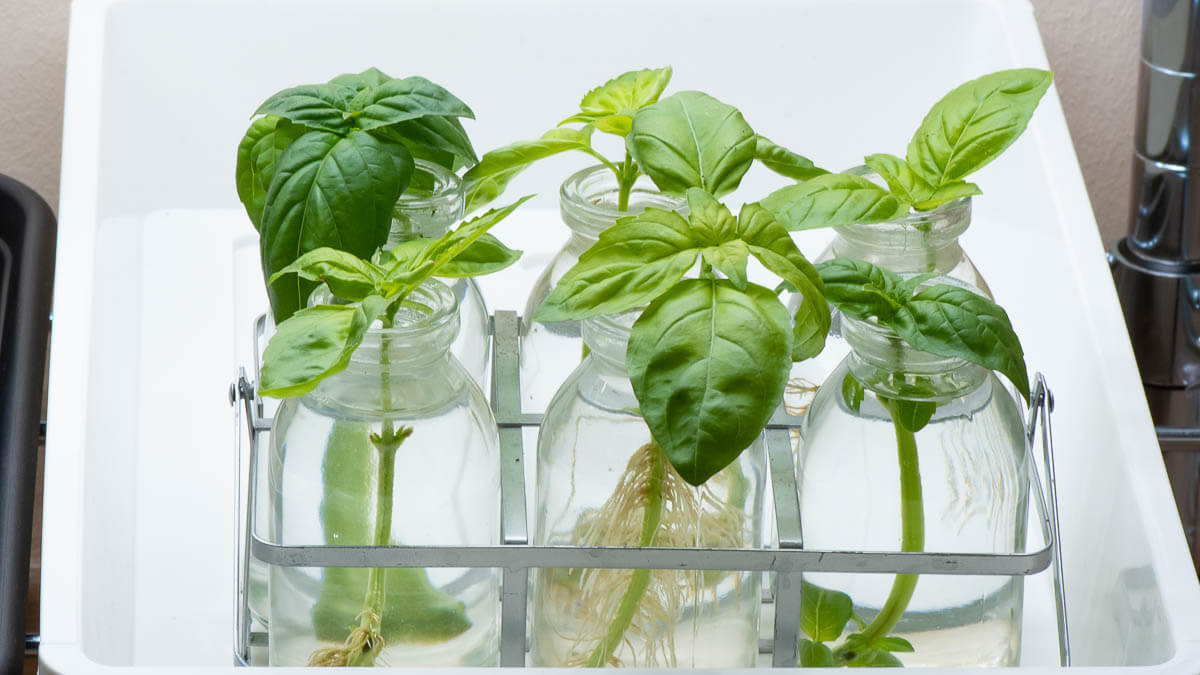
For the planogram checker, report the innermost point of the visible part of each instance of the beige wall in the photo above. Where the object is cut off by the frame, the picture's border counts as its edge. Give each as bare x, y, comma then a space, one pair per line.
1092, 46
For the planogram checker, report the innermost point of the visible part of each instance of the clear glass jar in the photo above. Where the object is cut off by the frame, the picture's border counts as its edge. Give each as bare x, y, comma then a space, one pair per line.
404, 435
600, 480
869, 484
588, 202
922, 241
432, 204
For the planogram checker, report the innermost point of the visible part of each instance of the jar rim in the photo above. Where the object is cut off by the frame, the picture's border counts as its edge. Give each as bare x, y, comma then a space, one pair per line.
447, 187
945, 221
588, 199
436, 329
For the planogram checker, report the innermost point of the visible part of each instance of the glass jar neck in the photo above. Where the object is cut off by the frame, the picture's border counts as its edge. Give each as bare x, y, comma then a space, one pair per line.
892, 368
606, 338
433, 202
589, 199
403, 368
922, 241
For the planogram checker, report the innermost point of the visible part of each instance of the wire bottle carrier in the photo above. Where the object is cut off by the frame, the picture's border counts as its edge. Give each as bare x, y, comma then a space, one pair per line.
515, 556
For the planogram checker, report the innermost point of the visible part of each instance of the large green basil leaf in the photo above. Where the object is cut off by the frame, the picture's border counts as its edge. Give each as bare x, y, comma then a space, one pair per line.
414, 611
256, 156
633, 262
309, 346
438, 139
771, 244
956, 322
349, 277
815, 655
905, 183
611, 106
974, 123
948, 192
701, 356
691, 139
859, 289
409, 98
833, 199
316, 106
333, 191
487, 179
783, 161
823, 612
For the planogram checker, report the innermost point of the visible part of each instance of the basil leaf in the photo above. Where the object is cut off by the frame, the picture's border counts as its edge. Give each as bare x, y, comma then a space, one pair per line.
633, 262
874, 658
611, 106
487, 179
833, 199
691, 139
316, 106
712, 223
893, 644
910, 415
256, 156
328, 190
349, 277
783, 161
815, 655
309, 346
770, 243
852, 392
974, 123
485, 255
860, 289
367, 79
823, 612
437, 139
417, 260
948, 193
906, 184
729, 259
700, 355
409, 98
956, 322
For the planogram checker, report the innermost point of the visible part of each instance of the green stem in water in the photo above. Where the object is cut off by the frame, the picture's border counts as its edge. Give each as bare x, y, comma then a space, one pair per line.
640, 581
625, 179
912, 530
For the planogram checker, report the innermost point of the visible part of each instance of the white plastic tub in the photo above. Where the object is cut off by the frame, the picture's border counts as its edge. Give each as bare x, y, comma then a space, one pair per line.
157, 278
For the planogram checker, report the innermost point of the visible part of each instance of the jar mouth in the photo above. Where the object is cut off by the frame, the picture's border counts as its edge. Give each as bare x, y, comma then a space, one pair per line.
433, 187
423, 328
937, 227
589, 198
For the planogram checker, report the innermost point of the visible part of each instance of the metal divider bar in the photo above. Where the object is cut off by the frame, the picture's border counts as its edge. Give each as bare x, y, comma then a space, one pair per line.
1060, 590
514, 525
785, 646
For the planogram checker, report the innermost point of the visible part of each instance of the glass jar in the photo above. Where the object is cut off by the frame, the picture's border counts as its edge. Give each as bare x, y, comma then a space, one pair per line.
588, 202
958, 483
431, 205
920, 242
601, 481
398, 448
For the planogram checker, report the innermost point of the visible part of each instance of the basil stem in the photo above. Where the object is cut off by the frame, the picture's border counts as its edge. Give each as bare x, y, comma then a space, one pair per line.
640, 581
625, 179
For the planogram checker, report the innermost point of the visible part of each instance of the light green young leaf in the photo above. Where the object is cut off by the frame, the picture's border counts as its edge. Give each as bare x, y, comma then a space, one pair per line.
815, 655
256, 156
485, 255
328, 190
904, 183
956, 322
712, 223
704, 353
611, 106
634, 261
783, 161
367, 79
349, 277
823, 612
948, 193
691, 139
974, 123
853, 392
770, 243
487, 179
729, 259
874, 658
833, 199
309, 346
316, 106
405, 99
893, 644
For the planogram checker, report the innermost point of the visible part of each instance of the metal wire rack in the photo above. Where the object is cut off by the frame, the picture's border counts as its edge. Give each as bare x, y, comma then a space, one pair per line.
516, 556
